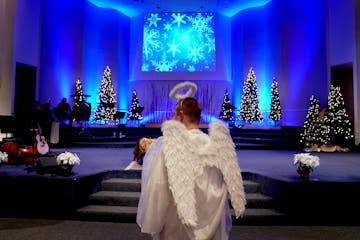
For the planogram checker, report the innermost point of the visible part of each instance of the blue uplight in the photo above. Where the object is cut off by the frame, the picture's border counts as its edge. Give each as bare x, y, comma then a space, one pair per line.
130, 9
238, 6
116, 5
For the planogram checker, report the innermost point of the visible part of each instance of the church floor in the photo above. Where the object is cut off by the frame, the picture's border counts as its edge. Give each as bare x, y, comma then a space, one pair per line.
27, 229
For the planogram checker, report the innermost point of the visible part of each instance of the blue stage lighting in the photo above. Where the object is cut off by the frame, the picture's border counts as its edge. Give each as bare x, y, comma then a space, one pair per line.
124, 8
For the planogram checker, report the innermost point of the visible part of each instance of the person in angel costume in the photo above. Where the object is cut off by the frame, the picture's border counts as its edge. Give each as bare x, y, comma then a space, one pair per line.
188, 177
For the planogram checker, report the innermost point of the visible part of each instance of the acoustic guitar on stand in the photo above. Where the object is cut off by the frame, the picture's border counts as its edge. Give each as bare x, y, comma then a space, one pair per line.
41, 144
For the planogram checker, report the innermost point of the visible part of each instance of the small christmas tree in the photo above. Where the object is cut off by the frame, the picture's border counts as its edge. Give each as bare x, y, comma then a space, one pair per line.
337, 126
106, 102
78, 96
275, 108
309, 134
249, 110
81, 109
227, 108
135, 109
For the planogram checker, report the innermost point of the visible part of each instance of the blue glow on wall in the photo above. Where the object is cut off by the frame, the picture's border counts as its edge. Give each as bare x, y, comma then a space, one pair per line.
91, 54
58, 52
104, 32
131, 9
178, 42
117, 5
241, 5
256, 42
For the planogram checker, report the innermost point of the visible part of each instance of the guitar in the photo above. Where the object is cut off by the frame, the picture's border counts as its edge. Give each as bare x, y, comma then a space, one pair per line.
41, 144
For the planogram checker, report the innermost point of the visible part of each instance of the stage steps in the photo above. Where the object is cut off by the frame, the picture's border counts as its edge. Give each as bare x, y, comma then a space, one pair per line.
118, 199
281, 138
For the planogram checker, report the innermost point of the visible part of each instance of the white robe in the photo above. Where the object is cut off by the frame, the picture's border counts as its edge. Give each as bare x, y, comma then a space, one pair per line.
186, 180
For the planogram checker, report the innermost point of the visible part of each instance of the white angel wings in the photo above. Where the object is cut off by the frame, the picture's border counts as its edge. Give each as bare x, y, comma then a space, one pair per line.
185, 158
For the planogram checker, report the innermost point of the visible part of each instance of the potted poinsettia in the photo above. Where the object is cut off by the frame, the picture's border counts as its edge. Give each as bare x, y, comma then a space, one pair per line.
3, 157
66, 161
306, 164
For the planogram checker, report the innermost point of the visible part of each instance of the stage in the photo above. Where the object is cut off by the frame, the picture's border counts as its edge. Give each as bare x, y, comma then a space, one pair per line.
328, 197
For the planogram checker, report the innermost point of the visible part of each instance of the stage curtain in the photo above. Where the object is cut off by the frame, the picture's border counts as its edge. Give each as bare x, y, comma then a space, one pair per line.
158, 106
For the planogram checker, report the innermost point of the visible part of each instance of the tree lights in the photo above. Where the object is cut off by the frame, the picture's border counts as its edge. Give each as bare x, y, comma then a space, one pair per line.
106, 102
249, 110
275, 108
227, 108
135, 109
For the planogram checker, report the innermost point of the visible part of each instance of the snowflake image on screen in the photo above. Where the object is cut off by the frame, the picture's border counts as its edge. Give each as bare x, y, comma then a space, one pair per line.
178, 42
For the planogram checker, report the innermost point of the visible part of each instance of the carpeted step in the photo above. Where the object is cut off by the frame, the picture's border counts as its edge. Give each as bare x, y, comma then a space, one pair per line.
115, 198
122, 184
107, 213
258, 200
128, 214
279, 138
119, 197
127, 144
260, 216
134, 185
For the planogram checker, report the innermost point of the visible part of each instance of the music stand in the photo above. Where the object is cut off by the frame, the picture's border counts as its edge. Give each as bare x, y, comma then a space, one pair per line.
84, 112
120, 116
85, 129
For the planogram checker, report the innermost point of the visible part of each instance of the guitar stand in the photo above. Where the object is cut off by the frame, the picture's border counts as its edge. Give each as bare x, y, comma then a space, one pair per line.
85, 130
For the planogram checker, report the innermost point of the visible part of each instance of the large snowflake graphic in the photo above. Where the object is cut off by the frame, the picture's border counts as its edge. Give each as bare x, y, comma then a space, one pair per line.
153, 19
178, 18
201, 23
173, 48
164, 65
195, 53
151, 42
210, 44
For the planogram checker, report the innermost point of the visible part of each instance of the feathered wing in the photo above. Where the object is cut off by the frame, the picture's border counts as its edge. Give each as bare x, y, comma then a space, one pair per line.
185, 158
180, 165
226, 161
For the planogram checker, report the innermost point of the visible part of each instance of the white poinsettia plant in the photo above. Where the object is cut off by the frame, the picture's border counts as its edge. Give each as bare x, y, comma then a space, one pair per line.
3, 157
68, 158
305, 160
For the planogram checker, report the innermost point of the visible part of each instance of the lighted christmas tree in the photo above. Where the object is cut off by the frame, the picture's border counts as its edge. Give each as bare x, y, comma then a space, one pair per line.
81, 109
106, 102
78, 96
249, 109
310, 134
337, 127
227, 108
135, 109
275, 108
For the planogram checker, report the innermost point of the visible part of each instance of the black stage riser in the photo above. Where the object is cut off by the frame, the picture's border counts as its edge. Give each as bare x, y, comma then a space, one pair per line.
283, 138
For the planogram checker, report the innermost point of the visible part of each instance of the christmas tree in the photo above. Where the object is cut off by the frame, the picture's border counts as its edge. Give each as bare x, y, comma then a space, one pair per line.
249, 110
78, 96
135, 109
226, 113
336, 125
310, 133
106, 102
275, 108
81, 109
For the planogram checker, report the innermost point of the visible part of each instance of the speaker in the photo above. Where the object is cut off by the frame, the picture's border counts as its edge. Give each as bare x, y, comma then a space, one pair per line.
46, 165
